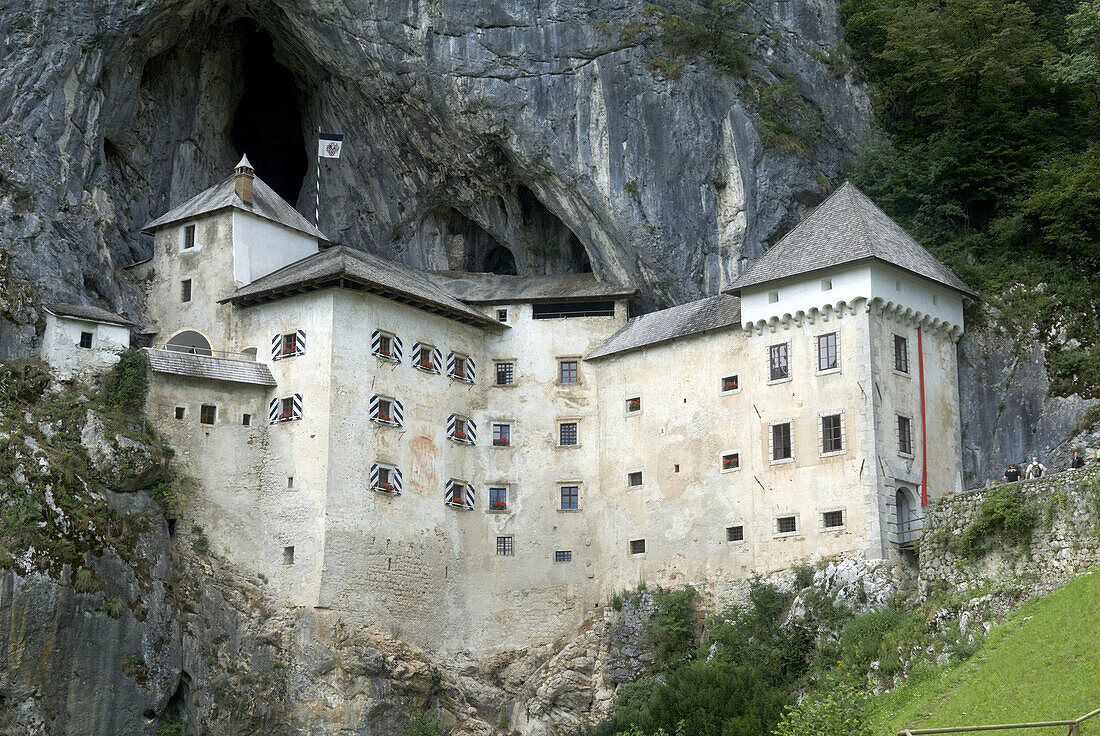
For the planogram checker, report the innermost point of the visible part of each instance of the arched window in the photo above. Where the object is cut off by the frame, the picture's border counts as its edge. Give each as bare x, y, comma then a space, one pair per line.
189, 341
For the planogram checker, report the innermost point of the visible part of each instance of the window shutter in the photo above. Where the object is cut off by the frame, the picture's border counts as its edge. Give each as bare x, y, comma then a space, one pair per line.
470, 369
395, 342
821, 434
300, 343
416, 354
450, 364
468, 496
843, 433
771, 442
376, 342
274, 410
395, 478
448, 492
297, 406
437, 359
276, 346
398, 410
374, 407
471, 431
451, 425
374, 475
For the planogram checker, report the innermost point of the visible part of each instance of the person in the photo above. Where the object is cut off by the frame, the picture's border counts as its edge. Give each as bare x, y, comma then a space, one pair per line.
1077, 461
1035, 470
1013, 473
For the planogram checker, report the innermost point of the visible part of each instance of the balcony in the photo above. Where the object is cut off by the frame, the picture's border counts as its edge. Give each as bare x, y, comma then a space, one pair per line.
213, 365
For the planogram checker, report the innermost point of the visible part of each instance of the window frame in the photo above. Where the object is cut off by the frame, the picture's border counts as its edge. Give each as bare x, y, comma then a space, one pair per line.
508, 442
793, 533
632, 547
772, 459
909, 434
576, 371
246, 419
453, 373
91, 340
389, 356
786, 344
186, 291
497, 363
506, 503
905, 354
433, 367
377, 417
189, 231
576, 496
465, 422
722, 461
630, 478
506, 545
722, 380
576, 432
180, 413
843, 525
202, 414
627, 411
502, 314
835, 334
736, 525
563, 556
821, 451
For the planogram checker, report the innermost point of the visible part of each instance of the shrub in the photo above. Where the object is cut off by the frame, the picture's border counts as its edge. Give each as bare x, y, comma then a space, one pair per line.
114, 607
85, 581
126, 384
839, 711
671, 631
201, 544
171, 727
424, 724
1002, 512
617, 602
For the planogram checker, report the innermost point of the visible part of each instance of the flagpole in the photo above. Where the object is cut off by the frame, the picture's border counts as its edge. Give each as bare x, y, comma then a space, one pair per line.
317, 191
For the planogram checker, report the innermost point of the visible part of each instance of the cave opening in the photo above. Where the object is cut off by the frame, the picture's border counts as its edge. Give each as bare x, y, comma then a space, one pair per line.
501, 261
267, 124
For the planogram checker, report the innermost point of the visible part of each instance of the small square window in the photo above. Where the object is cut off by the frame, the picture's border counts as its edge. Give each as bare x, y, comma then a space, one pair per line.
567, 434
185, 290
786, 525
208, 413
85, 339
781, 442
634, 405
567, 371
731, 383
502, 435
773, 297
505, 545
901, 354
735, 533
731, 461
563, 555
832, 519
246, 420
188, 237
826, 284
832, 433
637, 546
502, 315
827, 355
570, 498
290, 481
180, 412
779, 366
288, 556
506, 374
498, 499
634, 479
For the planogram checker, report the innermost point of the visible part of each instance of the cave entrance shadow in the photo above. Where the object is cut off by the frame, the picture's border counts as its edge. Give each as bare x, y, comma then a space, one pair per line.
267, 124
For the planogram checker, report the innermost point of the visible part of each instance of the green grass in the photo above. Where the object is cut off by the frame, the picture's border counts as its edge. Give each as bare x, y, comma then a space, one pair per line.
1041, 664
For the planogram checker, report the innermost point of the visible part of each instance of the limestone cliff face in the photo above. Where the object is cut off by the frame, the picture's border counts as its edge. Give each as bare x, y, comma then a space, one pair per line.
477, 134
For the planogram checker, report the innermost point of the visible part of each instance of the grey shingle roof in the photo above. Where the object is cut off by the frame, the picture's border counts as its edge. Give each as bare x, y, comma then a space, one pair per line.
489, 288
205, 366
265, 203
846, 228
84, 311
704, 315
357, 268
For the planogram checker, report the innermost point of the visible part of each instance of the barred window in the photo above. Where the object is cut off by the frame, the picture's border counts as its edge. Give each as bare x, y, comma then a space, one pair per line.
832, 519
637, 546
563, 555
735, 533
567, 434
786, 525
570, 498
832, 433
505, 374
85, 339
901, 354
185, 290
779, 366
827, 358
505, 545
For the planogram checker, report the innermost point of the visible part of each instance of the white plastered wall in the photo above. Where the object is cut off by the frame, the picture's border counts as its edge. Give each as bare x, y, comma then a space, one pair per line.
61, 345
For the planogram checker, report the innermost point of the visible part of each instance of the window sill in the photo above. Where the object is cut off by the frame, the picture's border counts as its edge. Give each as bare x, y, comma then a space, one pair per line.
828, 372
288, 419
387, 358
834, 453
563, 384
291, 355
781, 461
498, 511
569, 511
423, 369
502, 447
632, 413
906, 455
567, 447
787, 535
458, 441
387, 491
504, 385
461, 379
736, 542
730, 470
459, 506
385, 422
834, 529
731, 393
780, 380
903, 374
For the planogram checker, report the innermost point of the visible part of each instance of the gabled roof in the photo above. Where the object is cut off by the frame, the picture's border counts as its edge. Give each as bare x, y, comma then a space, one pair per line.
83, 311
491, 288
209, 367
357, 269
704, 315
846, 228
223, 195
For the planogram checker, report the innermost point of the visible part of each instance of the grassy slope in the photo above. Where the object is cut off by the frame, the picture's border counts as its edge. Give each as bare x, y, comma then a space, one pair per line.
1043, 663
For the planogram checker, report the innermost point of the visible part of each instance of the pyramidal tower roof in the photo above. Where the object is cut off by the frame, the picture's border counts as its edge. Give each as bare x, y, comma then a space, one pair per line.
223, 195
846, 228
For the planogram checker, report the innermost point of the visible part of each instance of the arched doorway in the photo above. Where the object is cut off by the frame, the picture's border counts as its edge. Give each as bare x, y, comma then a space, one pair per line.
189, 341
903, 510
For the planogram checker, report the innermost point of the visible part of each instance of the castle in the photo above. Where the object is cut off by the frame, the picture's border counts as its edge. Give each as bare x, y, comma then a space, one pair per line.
474, 461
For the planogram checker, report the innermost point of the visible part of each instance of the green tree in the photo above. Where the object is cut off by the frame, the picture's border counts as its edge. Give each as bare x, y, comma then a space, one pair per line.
839, 711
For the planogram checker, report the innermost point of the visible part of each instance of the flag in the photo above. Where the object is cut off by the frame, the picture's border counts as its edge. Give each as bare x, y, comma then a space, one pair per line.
330, 145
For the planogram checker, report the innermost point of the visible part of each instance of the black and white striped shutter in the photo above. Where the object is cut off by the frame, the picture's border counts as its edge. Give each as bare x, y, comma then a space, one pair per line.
276, 346
398, 411
274, 410
448, 491
450, 364
416, 354
471, 431
451, 420
297, 406
470, 369
374, 475
374, 406
395, 343
300, 343
437, 359
468, 496
376, 342
395, 478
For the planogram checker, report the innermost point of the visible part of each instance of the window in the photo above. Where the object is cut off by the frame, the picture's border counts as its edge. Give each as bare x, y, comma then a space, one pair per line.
558, 310
773, 297
185, 290
826, 284
207, 413
459, 494
780, 442
180, 412
901, 354
505, 374
286, 409
570, 498
288, 556
385, 478
567, 371
563, 555
461, 429
290, 481
832, 519
827, 357
832, 433
502, 315
502, 435
567, 434
637, 546
188, 237
386, 410
460, 367
85, 340
735, 533
288, 345
905, 435
246, 420
427, 358
634, 405
731, 383
779, 366
498, 499
505, 545
386, 346
634, 478
786, 525
731, 461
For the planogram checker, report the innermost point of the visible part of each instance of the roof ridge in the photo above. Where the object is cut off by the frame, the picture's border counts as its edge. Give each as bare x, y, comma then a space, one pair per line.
851, 190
